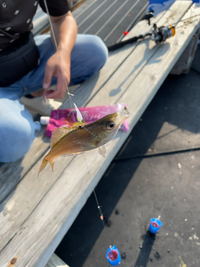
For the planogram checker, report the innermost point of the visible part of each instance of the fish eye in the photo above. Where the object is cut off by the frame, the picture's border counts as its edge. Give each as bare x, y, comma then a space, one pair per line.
110, 125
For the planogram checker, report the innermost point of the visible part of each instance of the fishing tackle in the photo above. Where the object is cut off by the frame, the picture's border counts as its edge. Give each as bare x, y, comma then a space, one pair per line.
78, 113
113, 256
159, 35
154, 225
162, 33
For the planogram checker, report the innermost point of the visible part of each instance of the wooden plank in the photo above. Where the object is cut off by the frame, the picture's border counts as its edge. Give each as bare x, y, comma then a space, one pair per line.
116, 59
31, 201
70, 198
55, 261
28, 181
172, 16
83, 8
12, 173
133, 65
121, 70
153, 74
41, 22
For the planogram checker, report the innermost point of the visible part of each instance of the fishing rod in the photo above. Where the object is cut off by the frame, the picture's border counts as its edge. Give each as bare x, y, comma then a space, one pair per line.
157, 34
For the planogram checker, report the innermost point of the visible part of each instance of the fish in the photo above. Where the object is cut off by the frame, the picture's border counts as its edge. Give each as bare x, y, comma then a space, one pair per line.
70, 141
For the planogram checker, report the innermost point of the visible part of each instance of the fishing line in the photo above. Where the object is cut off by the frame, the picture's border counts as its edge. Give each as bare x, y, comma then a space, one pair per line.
95, 195
185, 19
80, 118
98, 205
182, 20
55, 42
79, 115
70, 98
186, 25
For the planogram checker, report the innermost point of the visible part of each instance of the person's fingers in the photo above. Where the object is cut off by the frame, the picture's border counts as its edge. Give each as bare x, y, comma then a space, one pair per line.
60, 83
60, 91
49, 70
54, 94
48, 92
67, 78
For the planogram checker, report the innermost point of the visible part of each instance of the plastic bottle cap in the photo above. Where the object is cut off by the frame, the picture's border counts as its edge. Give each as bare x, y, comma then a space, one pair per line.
154, 225
44, 120
113, 256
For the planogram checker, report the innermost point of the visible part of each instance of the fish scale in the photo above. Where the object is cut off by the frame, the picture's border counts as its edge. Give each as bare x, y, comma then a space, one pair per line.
70, 141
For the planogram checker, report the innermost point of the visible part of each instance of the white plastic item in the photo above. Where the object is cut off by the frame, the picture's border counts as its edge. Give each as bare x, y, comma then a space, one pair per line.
44, 120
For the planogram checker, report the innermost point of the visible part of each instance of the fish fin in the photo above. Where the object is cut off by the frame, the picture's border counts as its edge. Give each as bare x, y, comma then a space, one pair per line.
97, 142
58, 133
44, 163
102, 151
52, 164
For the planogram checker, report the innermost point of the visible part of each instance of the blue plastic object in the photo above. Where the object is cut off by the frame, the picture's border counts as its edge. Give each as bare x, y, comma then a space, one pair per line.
154, 225
158, 6
113, 256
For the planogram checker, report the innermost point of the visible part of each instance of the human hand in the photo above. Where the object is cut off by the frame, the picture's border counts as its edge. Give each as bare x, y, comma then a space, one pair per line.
58, 66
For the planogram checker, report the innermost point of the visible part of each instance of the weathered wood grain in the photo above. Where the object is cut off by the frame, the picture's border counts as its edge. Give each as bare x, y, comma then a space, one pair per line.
12, 173
55, 261
30, 183
83, 8
137, 60
75, 185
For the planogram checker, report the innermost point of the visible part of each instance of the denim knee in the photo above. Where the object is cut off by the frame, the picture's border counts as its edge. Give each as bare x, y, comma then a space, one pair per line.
17, 135
14, 143
88, 57
101, 54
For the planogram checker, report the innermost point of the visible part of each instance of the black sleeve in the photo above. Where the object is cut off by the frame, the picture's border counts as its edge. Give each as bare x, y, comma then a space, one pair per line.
56, 8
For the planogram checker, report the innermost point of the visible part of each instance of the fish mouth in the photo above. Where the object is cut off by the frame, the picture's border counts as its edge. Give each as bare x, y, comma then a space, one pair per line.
124, 113
127, 112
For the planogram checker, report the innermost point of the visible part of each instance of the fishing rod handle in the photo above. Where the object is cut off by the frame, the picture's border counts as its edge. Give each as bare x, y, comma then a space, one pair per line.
123, 43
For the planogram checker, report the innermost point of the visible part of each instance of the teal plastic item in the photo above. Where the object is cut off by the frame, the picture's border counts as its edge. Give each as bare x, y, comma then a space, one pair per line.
154, 225
113, 256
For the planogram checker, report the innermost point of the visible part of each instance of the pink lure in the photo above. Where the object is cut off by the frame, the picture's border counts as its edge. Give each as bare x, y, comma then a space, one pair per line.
68, 117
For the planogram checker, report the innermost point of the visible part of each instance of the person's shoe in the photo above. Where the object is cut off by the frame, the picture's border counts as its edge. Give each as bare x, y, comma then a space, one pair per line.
40, 105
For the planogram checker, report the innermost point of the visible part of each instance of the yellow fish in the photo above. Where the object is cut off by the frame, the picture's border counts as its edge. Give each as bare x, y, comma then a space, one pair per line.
69, 141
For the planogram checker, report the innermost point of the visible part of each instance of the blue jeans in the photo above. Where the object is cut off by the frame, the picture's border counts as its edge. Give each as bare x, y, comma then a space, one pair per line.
17, 128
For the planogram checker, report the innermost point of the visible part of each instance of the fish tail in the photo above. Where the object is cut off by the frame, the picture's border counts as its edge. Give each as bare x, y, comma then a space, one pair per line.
52, 164
42, 166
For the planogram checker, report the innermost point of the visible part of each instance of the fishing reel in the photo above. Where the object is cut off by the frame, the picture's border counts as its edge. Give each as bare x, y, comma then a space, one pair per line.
160, 34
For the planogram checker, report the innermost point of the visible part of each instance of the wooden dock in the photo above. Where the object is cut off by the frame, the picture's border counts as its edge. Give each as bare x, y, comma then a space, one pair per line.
37, 212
